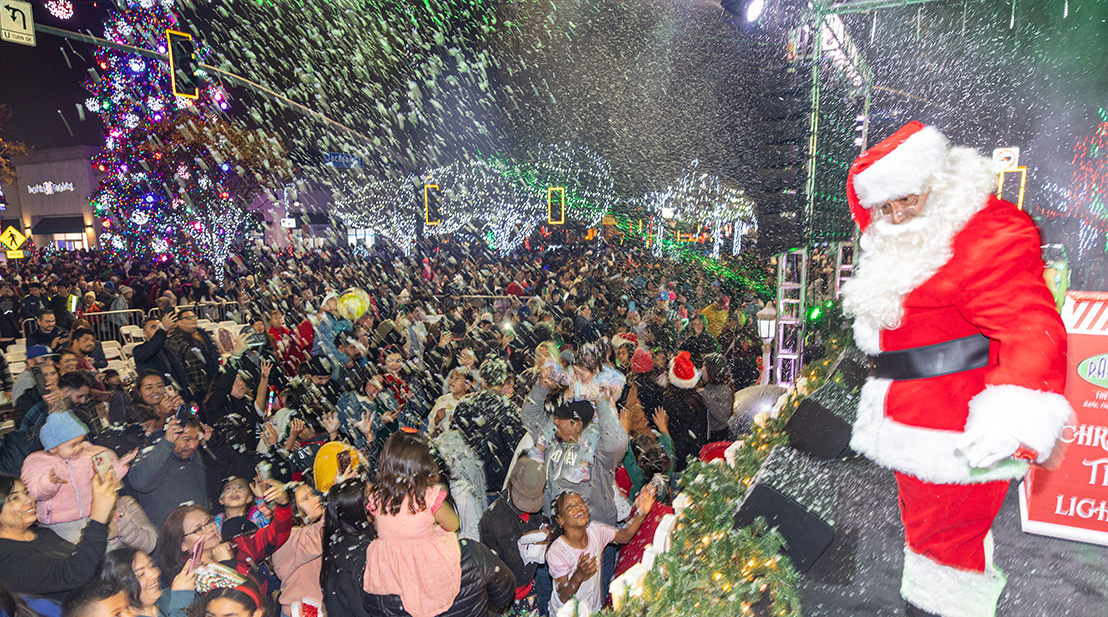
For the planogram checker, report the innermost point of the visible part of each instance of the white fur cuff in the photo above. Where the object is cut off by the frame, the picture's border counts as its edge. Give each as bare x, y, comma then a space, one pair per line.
1034, 417
947, 591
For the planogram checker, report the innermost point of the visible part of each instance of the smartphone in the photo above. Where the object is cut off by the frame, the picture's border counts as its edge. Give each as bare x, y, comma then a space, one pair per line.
343, 458
269, 403
40, 380
197, 549
265, 471
102, 462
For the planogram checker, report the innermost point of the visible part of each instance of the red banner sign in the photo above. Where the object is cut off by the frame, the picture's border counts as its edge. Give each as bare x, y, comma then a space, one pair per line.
1071, 501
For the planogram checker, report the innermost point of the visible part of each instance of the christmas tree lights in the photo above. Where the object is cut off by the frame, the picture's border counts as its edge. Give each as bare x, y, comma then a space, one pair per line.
178, 173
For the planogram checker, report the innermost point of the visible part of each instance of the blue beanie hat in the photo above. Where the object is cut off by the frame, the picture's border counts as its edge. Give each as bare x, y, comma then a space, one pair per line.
60, 428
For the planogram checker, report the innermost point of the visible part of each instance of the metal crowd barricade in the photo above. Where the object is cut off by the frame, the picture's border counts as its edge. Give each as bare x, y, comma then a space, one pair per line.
212, 311
106, 324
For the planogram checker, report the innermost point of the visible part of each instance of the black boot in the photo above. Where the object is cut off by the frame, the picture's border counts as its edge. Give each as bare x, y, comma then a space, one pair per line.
911, 610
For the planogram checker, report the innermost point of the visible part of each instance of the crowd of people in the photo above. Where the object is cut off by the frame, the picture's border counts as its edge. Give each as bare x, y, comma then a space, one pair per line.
473, 434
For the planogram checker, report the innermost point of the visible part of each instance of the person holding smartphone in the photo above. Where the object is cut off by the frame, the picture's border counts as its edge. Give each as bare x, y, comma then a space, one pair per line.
59, 476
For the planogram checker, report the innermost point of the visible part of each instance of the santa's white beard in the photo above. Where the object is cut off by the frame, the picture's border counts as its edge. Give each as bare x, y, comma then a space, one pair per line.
897, 258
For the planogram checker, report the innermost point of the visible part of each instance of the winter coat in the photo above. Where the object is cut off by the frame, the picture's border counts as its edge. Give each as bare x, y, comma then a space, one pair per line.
50, 566
72, 499
487, 582
162, 481
501, 528
719, 400
491, 426
156, 356
342, 593
598, 490
688, 423
297, 564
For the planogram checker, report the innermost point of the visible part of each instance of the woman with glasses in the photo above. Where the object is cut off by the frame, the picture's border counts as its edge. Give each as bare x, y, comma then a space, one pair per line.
189, 526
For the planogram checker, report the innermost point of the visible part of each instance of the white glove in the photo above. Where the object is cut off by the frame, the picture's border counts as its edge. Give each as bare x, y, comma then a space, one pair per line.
987, 448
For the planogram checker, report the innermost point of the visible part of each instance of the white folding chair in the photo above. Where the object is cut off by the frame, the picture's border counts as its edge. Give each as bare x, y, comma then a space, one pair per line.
15, 356
128, 350
20, 346
132, 334
111, 353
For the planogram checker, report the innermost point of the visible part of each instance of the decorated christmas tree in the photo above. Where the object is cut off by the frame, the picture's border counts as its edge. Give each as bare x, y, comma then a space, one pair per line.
179, 173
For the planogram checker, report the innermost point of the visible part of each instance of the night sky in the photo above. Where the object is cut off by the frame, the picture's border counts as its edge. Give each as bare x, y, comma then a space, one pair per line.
36, 82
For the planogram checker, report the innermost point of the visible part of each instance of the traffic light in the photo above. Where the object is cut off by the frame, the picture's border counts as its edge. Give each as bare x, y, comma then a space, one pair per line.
556, 205
183, 64
431, 214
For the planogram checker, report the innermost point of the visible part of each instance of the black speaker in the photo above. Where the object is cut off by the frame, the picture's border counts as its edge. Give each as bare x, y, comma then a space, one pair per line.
853, 366
822, 423
795, 495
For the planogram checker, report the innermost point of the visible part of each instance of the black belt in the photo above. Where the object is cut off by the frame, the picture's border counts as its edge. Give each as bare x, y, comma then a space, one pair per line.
963, 354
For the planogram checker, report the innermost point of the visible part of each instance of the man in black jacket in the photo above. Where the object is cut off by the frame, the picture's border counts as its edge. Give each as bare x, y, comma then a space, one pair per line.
486, 583
518, 513
154, 355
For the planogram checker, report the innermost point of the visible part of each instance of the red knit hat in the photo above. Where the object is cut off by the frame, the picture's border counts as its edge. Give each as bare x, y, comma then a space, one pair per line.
682, 372
642, 361
902, 164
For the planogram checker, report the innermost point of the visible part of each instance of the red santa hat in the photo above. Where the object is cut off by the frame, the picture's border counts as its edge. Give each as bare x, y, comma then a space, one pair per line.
624, 338
902, 164
682, 372
642, 361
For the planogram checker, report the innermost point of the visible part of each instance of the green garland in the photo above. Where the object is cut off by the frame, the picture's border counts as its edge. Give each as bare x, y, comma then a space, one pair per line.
712, 568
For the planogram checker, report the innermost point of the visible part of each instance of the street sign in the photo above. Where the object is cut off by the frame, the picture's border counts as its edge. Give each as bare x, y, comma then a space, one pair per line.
15, 255
1006, 159
12, 239
341, 159
17, 24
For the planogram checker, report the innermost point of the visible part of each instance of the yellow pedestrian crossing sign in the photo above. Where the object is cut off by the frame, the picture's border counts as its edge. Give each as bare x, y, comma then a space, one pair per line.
12, 239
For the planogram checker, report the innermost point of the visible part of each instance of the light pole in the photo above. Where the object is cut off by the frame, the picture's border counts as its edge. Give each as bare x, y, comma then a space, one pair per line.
767, 327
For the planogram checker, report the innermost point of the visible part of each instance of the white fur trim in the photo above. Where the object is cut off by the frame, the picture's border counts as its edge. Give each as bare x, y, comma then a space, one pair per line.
899, 258
1034, 417
904, 171
867, 339
948, 591
929, 454
684, 384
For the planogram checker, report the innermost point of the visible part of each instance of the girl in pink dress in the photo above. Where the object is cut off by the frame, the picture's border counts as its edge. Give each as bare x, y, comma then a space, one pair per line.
416, 554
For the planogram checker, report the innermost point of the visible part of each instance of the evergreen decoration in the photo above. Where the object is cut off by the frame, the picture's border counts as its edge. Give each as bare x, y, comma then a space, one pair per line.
711, 568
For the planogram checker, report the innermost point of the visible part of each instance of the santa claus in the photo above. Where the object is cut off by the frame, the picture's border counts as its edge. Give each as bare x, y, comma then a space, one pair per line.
967, 355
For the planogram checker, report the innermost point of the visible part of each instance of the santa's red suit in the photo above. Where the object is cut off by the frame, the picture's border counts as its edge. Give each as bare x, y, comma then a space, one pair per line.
968, 264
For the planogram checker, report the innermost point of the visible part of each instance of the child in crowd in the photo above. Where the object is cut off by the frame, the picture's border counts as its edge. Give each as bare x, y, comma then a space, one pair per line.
59, 478
238, 502
575, 552
416, 554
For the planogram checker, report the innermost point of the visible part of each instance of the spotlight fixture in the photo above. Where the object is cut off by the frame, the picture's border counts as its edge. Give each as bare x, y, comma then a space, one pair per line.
749, 10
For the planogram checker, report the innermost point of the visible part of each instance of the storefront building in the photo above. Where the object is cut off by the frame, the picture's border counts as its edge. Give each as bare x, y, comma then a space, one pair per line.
49, 201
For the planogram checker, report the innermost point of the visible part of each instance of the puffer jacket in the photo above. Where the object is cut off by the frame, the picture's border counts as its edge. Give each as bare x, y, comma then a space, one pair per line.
486, 583
71, 500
